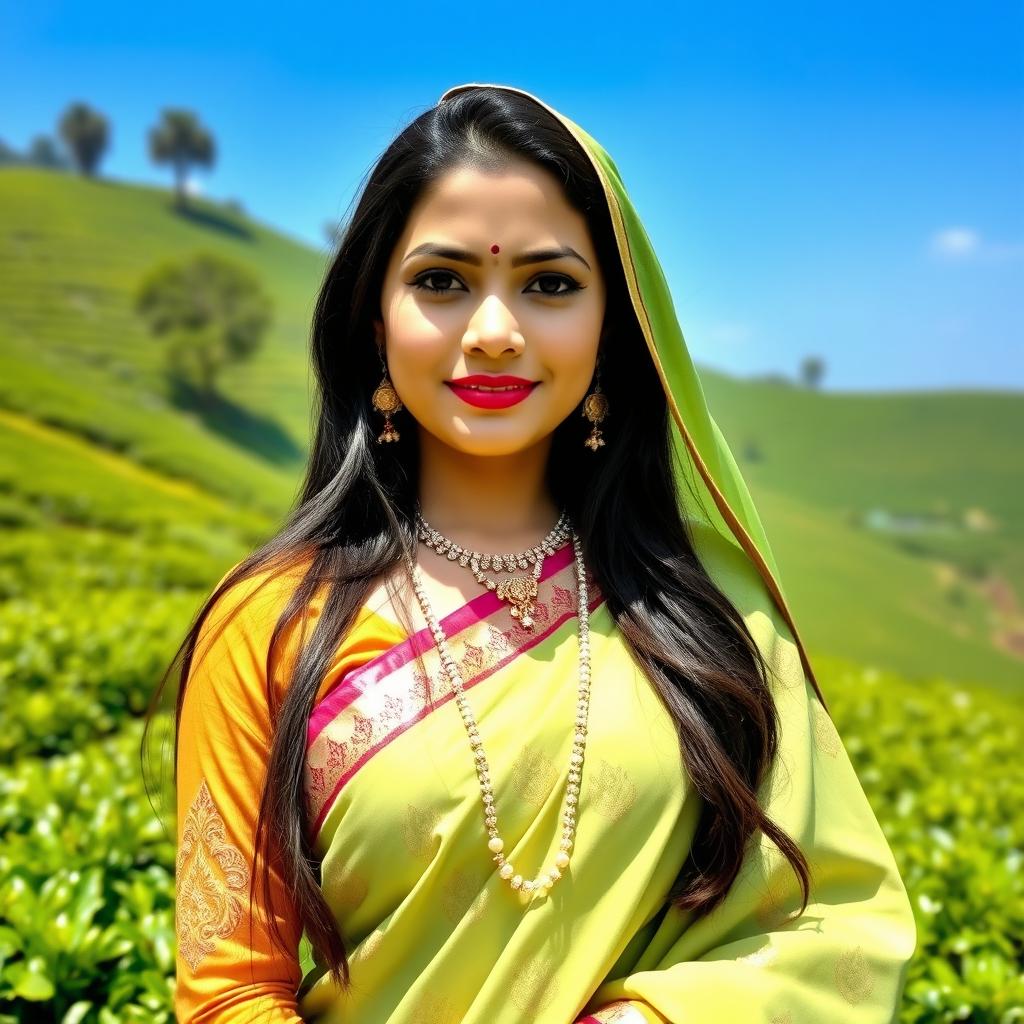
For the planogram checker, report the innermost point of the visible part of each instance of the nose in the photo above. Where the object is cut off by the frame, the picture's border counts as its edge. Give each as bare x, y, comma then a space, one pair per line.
493, 330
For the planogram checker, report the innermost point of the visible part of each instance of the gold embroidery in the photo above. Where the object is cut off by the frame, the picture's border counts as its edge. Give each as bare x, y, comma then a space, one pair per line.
391, 703
474, 660
825, 730
853, 976
534, 775
620, 1012
211, 872
613, 792
533, 988
781, 894
418, 830
368, 948
782, 1018
497, 643
459, 895
770, 911
348, 891
433, 1009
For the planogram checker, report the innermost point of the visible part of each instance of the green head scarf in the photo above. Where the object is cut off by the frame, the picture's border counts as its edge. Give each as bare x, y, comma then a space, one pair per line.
724, 510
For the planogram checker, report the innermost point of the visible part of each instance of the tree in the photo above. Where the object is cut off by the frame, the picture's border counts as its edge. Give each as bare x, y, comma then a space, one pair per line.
181, 141
211, 311
86, 133
43, 152
812, 369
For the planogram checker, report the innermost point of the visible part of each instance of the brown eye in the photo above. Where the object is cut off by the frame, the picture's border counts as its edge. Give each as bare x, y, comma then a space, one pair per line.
555, 280
443, 276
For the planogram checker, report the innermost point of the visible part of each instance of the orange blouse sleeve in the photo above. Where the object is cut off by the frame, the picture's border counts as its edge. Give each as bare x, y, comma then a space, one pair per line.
228, 970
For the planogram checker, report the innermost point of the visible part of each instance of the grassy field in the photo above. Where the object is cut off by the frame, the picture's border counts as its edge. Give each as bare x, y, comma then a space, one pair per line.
938, 597
119, 508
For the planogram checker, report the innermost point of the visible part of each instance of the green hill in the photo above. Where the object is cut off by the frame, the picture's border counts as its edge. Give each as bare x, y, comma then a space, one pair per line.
897, 519
73, 354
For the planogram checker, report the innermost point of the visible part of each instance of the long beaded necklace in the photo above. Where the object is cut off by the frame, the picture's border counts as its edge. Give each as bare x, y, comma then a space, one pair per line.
546, 879
519, 591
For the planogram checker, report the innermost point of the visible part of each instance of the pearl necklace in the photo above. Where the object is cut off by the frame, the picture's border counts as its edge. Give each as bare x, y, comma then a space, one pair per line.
546, 879
519, 591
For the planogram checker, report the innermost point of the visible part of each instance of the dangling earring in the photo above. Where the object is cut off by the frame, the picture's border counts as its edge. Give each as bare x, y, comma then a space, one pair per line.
595, 408
385, 399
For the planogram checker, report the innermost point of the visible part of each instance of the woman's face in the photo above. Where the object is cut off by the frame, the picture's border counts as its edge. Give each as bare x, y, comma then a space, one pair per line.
491, 309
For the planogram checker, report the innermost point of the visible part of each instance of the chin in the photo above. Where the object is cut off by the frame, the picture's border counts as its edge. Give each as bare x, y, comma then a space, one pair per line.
489, 446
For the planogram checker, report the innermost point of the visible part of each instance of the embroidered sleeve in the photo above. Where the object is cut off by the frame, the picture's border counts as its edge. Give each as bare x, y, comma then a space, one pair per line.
227, 967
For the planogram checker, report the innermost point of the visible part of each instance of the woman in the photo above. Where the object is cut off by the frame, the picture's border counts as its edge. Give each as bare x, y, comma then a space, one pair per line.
596, 781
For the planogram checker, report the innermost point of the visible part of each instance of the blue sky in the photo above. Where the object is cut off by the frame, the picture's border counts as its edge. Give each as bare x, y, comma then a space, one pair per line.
838, 180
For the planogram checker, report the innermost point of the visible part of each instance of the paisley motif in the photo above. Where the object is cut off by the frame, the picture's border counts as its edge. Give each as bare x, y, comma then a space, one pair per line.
211, 875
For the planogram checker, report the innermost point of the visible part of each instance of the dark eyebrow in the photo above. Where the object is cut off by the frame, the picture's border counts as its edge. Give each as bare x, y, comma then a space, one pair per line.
447, 252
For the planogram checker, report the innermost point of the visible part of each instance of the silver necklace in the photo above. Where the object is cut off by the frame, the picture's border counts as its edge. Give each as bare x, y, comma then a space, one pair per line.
546, 879
519, 591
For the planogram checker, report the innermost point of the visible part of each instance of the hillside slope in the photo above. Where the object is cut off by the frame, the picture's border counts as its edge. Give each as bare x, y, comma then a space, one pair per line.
897, 519
72, 353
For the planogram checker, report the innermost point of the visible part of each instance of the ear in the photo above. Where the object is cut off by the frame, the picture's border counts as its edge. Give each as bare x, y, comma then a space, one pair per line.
378, 335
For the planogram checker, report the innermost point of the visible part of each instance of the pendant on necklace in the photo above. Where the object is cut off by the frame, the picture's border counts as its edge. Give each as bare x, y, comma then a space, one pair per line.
519, 591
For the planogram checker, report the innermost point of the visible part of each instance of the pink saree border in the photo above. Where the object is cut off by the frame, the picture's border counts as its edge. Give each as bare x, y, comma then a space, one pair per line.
355, 682
404, 696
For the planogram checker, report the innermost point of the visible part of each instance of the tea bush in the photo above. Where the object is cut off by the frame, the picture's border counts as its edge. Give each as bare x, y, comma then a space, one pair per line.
940, 765
86, 868
75, 665
87, 884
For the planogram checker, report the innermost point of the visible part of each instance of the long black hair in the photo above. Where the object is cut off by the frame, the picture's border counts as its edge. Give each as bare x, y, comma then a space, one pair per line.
352, 522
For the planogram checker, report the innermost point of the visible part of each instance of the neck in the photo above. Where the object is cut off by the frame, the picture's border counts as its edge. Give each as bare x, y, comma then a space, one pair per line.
486, 503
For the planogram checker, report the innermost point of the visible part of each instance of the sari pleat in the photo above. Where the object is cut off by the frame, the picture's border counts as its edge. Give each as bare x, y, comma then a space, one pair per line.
435, 934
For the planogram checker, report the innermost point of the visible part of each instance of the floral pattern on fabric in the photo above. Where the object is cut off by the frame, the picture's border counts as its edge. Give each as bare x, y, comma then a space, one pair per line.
853, 976
211, 873
373, 711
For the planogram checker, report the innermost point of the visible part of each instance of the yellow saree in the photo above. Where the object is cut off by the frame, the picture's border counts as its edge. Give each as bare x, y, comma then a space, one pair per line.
394, 813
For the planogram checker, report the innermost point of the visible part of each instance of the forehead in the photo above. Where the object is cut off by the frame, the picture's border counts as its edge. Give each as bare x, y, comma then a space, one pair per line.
519, 199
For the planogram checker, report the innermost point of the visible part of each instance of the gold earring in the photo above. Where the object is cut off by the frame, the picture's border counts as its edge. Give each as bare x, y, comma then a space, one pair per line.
595, 408
385, 399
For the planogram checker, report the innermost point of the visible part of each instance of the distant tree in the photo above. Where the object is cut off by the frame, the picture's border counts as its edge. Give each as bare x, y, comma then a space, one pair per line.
211, 311
181, 141
8, 154
86, 133
43, 152
812, 369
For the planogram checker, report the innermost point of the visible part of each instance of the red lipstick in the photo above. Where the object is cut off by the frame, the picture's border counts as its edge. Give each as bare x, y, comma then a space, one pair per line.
492, 390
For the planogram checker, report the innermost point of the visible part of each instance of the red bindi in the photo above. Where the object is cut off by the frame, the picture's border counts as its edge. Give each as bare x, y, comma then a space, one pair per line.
495, 248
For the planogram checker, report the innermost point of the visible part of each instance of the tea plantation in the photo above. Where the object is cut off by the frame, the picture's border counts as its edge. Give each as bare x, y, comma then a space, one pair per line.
119, 510
87, 867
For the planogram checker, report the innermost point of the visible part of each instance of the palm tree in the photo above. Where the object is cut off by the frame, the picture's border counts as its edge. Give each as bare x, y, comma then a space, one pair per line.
181, 141
86, 133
